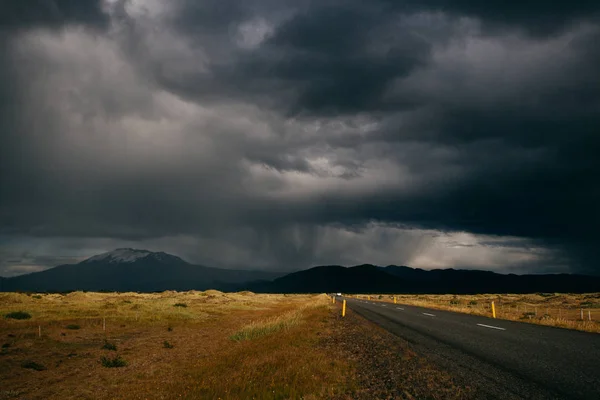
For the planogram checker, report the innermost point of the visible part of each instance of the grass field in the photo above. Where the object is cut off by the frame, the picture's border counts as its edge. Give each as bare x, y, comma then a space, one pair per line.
168, 345
193, 345
572, 311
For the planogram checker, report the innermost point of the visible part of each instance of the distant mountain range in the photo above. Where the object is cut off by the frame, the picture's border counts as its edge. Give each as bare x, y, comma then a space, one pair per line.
134, 270
401, 279
145, 271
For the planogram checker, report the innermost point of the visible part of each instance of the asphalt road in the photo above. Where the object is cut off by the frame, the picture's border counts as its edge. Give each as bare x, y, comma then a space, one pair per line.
500, 359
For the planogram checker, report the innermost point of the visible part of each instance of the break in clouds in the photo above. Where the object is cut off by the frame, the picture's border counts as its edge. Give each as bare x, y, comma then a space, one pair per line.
286, 134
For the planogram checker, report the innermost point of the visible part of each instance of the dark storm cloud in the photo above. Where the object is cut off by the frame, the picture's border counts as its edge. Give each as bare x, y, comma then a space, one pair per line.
320, 58
531, 155
269, 133
538, 17
330, 59
23, 14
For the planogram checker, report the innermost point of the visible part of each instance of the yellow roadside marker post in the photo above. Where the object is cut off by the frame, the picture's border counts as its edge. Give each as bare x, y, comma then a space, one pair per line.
333, 299
395, 302
493, 310
344, 308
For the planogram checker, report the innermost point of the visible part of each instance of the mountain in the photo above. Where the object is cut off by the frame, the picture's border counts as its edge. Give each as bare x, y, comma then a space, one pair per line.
333, 278
145, 271
407, 272
134, 270
475, 281
401, 279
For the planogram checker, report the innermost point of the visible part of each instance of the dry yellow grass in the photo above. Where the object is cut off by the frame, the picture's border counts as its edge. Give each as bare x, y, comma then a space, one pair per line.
203, 362
268, 326
553, 309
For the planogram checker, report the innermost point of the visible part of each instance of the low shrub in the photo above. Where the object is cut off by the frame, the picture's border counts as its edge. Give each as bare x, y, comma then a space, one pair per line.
167, 345
33, 365
18, 315
73, 326
179, 305
109, 346
116, 362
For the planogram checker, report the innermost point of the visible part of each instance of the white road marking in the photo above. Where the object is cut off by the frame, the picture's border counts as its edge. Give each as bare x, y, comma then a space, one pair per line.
383, 305
492, 327
430, 315
399, 308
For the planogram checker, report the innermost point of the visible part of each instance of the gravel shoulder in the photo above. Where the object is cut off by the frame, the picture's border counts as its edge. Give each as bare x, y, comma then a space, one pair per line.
385, 366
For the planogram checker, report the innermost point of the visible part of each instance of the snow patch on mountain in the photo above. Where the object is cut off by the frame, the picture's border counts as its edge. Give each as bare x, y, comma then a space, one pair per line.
124, 255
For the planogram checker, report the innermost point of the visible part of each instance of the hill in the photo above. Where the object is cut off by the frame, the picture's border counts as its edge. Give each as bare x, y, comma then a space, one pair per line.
133, 270
334, 278
402, 279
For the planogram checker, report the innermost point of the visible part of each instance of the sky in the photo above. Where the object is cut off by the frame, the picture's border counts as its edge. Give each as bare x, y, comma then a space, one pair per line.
279, 135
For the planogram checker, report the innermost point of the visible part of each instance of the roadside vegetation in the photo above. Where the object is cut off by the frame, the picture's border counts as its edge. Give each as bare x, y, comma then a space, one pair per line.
571, 311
